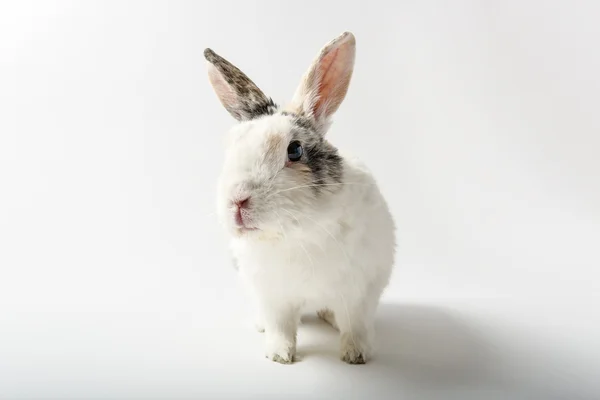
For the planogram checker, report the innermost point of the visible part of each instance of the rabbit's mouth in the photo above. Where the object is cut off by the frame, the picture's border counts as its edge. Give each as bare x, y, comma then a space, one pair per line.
242, 226
242, 231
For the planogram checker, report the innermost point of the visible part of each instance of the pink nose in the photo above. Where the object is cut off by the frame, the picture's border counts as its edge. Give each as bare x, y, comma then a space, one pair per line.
241, 205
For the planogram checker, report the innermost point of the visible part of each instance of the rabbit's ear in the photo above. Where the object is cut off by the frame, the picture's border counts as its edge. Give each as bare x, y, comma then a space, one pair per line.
325, 84
238, 94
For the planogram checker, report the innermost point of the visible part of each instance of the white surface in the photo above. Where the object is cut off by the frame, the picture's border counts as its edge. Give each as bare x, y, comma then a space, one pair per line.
114, 276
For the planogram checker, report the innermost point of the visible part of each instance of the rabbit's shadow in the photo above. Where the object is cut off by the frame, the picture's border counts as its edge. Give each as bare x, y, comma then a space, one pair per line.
419, 343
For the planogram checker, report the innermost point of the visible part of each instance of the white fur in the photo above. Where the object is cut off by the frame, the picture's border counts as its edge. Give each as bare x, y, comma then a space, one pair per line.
334, 252
331, 250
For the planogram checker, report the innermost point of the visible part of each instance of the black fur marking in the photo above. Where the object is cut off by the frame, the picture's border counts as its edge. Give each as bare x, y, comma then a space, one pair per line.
305, 123
321, 157
325, 163
301, 121
259, 109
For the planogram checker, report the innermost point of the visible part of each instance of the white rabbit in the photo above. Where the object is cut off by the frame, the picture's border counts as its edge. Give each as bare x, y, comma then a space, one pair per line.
309, 227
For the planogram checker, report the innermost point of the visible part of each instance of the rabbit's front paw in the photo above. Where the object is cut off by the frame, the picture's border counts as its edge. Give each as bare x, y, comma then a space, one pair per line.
353, 351
281, 350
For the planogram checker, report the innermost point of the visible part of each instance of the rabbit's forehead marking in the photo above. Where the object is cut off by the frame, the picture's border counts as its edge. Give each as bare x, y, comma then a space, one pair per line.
301, 123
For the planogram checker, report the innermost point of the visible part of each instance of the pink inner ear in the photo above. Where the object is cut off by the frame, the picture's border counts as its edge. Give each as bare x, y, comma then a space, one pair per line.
334, 71
325, 71
224, 92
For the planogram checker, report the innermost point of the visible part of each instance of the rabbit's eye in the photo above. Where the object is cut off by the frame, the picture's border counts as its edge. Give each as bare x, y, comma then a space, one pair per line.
295, 151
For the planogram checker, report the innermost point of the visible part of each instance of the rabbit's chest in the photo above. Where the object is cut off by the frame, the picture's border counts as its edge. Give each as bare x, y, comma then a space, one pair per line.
303, 270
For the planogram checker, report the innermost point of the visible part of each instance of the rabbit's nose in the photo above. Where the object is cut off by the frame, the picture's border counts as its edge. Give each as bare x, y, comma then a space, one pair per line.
244, 203
241, 205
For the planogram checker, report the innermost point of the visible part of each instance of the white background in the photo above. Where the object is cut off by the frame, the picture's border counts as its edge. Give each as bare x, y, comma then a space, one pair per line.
479, 119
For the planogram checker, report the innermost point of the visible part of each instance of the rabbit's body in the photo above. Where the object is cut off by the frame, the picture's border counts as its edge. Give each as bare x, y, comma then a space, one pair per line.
333, 255
310, 228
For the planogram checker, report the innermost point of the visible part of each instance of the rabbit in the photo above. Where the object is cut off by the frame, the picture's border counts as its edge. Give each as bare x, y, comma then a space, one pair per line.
309, 228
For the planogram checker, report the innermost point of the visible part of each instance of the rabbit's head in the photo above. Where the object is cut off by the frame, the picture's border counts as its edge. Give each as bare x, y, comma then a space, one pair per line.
278, 166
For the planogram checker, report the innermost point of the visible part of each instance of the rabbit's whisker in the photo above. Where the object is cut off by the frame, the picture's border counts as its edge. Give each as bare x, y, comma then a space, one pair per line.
319, 185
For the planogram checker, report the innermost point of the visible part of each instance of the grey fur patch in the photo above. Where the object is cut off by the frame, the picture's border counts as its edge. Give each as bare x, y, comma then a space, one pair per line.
251, 102
302, 121
325, 164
